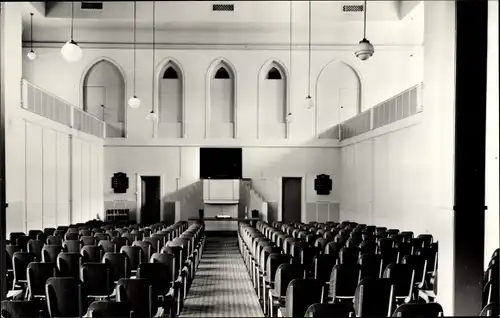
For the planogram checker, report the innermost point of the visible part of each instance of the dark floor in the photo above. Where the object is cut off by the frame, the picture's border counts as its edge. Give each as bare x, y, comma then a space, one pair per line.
221, 287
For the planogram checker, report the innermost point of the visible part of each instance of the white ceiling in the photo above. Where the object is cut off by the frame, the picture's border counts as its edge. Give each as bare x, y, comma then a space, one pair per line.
198, 15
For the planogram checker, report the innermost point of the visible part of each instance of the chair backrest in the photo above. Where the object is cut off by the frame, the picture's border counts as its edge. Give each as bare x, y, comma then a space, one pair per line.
21, 309
371, 265
97, 279
35, 247
159, 276
22, 242
323, 266
88, 240
274, 260
65, 297
327, 311
168, 260
118, 264
300, 294
146, 249
91, 253
38, 274
20, 262
71, 236
50, 252
71, 246
105, 309
107, 246
374, 298
134, 254
402, 276
430, 310
68, 264
284, 275
54, 240
138, 294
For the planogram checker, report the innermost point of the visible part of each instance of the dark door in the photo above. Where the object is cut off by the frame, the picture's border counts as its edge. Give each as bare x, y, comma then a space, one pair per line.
150, 195
291, 199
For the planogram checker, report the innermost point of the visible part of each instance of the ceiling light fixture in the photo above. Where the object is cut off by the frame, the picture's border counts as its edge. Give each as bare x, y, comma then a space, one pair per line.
152, 115
71, 51
309, 101
31, 54
365, 49
134, 102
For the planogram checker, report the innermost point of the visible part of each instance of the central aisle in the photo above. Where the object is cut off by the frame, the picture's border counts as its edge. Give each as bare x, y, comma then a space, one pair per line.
221, 287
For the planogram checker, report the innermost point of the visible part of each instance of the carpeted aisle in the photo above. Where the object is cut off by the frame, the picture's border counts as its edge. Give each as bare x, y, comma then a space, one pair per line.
221, 287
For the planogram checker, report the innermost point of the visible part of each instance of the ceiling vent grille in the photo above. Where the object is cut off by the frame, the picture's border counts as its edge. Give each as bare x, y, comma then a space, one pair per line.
91, 6
352, 8
223, 7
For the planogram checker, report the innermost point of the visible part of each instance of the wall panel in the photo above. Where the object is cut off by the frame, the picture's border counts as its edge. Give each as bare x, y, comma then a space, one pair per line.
34, 176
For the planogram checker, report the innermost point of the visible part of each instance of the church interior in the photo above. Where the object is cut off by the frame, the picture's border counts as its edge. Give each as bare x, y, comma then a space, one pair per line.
249, 159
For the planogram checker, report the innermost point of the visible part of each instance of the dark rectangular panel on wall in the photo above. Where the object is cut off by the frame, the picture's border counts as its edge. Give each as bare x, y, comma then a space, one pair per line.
220, 163
470, 149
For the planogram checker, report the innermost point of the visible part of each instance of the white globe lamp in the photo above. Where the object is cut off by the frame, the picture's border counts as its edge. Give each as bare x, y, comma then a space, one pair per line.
364, 50
134, 102
309, 102
31, 55
71, 51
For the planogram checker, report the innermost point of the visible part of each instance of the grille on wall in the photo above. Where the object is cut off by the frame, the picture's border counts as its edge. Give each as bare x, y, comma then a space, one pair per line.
223, 7
352, 8
91, 6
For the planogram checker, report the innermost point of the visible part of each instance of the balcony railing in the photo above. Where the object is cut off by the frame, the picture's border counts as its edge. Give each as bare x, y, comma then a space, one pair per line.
404, 104
46, 104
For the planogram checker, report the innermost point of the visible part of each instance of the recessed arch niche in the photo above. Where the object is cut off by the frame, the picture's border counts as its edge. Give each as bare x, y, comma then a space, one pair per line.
272, 101
104, 96
171, 101
338, 92
221, 116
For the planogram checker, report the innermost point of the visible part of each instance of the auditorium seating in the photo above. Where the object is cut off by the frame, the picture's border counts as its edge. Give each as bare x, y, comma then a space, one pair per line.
340, 269
102, 270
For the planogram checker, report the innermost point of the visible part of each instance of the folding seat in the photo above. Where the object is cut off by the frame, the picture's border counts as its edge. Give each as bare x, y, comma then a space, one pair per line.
370, 266
20, 261
34, 233
59, 233
138, 294
37, 275
65, 297
419, 310
490, 310
427, 239
146, 248
490, 292
72, 229
256, 260
301, 235
310, 238
97, 280
403, 249
96, 230
155, 242
49, 231
300, 294
160, 279
383, 244
122, 230
370, 229
381, 231
284, 275
348, 255
84, 233
87, 240
68, 264
92, 254
101, 237
22, 309
50, 252
261, 270
327, 311
374, 298
112, 233
402, 276
273, 262
71, 246
120, 242
147, 232
118, 264
138, 234
343, 282
135, 256
333, 248
54, 240
322, 269
389, 255
35, 247
391, 232
491, 273
407, 235
341, 239
105, 309
13, 236
367, 247
107, 246
22, 242
130, 238
320, 244
330, 235
71, 236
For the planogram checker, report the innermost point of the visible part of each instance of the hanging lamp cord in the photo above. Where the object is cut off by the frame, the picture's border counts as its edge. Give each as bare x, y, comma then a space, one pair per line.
291, 36
72, 18
135, 36
31, 31
309, 77
153, 77
364, 23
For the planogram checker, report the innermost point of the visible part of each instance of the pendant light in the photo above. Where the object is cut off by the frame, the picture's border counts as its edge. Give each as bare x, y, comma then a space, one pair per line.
71, 51
31, 54
365, 49
152, 115
309, 103
134, 102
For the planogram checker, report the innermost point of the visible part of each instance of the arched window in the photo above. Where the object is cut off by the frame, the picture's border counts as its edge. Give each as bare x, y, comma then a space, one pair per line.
222, 102
104, 96
170, 102
272, 106
338, 97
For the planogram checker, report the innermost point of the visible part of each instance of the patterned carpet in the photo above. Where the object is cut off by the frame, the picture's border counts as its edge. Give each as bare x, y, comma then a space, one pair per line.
221, 287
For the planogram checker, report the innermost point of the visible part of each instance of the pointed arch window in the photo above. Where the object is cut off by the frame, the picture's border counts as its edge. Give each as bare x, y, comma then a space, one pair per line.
274, 74
222, 102
222, 73
170, 102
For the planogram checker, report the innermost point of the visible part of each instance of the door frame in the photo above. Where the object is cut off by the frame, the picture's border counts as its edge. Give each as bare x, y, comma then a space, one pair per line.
302, 197
138, 194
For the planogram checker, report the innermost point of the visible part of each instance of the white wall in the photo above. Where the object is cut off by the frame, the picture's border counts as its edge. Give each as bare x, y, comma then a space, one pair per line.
392, 66
492, 235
